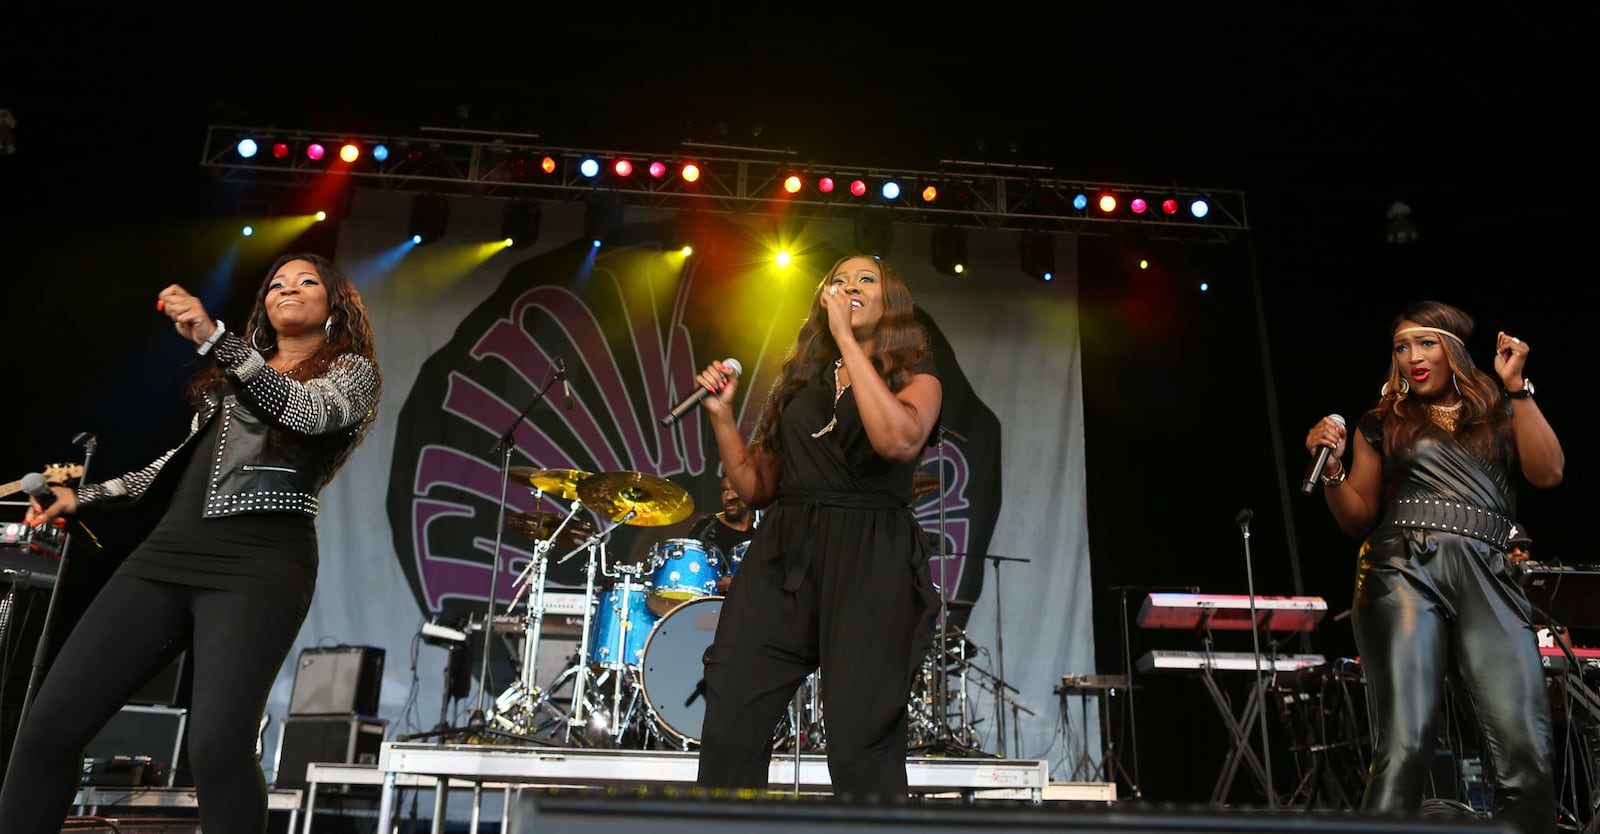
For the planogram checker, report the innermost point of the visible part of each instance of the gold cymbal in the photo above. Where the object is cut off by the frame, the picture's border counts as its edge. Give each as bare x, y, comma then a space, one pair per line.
541, 525
561, 483
653, 500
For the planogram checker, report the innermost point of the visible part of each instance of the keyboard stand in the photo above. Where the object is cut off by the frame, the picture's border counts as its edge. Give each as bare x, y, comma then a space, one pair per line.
1241, 750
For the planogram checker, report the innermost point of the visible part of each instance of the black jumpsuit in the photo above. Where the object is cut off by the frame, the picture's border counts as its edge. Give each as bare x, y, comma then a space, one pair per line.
837, 576
1431, 603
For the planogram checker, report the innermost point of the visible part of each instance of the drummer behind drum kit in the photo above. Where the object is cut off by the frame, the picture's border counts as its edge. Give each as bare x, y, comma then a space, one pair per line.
636, 679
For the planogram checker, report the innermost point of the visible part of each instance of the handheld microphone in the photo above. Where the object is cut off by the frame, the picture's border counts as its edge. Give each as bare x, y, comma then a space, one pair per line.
33, 483
734, 368
566, 386
1319, 461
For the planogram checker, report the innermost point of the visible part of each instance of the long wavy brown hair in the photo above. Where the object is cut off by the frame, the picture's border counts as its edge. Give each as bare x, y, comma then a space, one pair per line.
900, 344
1483, 425
348, 331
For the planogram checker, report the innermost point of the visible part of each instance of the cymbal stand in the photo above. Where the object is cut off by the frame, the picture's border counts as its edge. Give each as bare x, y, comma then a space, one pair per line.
505, 446
595, 544
525, 697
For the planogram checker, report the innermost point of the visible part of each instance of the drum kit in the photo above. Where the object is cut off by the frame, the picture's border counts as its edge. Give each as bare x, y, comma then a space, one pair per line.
635, 679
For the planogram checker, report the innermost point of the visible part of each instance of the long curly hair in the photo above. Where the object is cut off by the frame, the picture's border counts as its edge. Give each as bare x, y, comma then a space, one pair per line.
900, 344
348, 331
1483, 425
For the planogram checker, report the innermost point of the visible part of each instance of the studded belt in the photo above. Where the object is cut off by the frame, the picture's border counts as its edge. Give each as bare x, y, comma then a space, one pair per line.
1449, 516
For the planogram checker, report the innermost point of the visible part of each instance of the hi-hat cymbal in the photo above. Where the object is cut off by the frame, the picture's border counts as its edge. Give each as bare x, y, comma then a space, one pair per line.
542, 525
561, 483
923, 484
653, 500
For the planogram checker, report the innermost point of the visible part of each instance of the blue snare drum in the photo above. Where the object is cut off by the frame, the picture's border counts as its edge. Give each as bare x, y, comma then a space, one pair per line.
683, 569
618, 632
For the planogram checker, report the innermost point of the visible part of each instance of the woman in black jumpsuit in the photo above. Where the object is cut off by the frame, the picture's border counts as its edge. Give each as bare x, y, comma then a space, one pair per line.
1430, 486
836, 576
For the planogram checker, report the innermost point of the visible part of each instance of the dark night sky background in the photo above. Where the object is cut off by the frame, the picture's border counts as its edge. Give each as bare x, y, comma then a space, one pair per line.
1324, 118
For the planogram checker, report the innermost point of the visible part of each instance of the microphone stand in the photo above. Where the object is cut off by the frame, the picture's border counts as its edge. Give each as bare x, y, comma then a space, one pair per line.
506, 444
1000, 646
1243, 520
89, 444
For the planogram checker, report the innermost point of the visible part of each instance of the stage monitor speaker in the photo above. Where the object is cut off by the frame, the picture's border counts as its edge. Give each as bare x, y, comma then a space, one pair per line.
338, 680
139, 731
543, 811
325, 739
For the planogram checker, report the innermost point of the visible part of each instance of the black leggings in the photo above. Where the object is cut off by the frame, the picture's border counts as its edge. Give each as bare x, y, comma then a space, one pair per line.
132, 630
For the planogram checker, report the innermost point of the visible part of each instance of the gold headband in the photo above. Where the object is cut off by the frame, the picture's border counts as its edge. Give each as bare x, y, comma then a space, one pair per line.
1404, 330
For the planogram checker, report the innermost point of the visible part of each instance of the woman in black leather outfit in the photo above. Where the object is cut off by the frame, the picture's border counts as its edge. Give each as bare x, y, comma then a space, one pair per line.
228, 572
1430, 485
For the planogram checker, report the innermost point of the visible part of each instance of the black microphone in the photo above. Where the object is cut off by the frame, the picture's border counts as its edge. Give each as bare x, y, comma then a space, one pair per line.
33, 484
699, 394
1243, 518
566, 386
1319, 461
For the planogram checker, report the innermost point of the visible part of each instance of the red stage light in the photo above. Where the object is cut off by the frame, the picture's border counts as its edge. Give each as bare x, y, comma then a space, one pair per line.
280, 150
315, 151
657, 170
623, 167
858, 188
548, 165
825, 185
1138, 205
1169, 205
930, 194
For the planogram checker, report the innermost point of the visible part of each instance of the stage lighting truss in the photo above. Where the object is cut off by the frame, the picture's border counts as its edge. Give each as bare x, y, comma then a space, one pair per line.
729, 181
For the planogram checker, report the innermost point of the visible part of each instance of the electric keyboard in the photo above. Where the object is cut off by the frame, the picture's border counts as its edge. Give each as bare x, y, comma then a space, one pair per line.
1169, 660
1231, 612
1555, 660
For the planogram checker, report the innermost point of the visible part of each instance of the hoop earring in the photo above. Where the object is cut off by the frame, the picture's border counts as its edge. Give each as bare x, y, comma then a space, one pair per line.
1456, 381
327, 329
259, 349
1403, 389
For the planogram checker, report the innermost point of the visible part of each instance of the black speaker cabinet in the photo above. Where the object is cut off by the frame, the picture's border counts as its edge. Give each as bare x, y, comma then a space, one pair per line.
325, 739
338, 680
135, 731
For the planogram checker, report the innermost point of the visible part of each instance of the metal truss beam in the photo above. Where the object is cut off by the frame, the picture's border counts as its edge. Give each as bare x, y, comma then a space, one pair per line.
732, 181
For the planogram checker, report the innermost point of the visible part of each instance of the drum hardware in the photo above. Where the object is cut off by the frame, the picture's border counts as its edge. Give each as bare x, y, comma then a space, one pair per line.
564, 531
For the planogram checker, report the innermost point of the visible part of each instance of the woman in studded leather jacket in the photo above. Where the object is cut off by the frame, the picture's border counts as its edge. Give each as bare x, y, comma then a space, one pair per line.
228, 573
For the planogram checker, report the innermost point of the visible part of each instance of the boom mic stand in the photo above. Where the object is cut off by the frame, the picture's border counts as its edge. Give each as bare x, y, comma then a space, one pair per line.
88, 443
504, 445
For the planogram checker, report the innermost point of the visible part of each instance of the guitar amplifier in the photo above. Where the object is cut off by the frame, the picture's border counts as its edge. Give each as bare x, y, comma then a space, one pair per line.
139, 746
338, 680
325, 739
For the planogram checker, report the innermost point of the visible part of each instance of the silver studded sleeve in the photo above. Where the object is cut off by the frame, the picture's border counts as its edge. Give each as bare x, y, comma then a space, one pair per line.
340, 398
132, 486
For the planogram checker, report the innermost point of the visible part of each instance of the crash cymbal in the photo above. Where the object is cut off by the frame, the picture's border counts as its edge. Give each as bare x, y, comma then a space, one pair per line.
923, 485
561, 483
542, 525
653, 500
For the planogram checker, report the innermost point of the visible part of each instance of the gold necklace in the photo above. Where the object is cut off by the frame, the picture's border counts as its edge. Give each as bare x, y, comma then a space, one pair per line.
1444, 416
